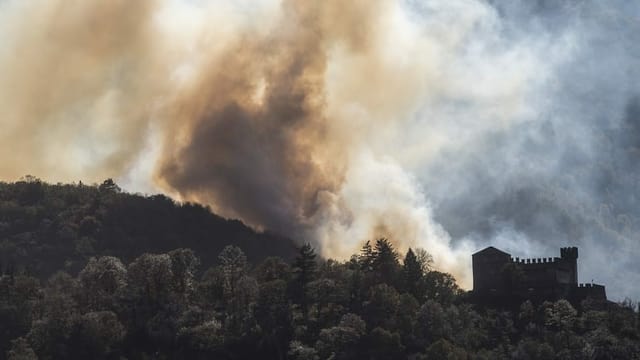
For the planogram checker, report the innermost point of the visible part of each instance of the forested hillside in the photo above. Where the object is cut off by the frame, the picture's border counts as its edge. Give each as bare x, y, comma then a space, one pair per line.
371, 307
45, 228
93, 273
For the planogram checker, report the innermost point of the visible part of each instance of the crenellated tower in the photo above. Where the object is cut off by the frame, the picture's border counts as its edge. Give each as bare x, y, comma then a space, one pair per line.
569, 255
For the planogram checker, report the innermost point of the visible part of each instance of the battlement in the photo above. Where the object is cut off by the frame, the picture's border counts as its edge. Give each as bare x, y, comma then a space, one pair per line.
592, 291
527, 261
569, 253
589, 285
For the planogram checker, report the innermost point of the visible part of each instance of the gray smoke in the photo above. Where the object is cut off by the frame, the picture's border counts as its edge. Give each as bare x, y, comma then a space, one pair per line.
570, 173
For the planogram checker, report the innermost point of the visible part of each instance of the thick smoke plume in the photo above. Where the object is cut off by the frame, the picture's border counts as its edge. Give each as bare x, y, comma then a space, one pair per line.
447, 125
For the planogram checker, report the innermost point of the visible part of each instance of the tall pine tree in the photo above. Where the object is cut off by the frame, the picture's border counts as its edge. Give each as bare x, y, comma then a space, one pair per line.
385, 262
412, 275
304, 271
366, 257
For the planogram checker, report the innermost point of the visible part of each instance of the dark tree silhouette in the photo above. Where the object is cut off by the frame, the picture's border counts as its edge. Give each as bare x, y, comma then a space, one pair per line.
304, 271
385, 262
412, 275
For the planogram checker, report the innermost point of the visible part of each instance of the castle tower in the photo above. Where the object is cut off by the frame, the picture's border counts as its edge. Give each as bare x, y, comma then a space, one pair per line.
487, 269
570, 256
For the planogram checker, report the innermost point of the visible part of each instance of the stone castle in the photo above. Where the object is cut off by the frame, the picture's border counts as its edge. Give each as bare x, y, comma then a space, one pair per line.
498, 277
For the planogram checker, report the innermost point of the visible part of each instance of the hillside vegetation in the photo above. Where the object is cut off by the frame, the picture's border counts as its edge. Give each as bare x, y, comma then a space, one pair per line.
97, 274
45, 228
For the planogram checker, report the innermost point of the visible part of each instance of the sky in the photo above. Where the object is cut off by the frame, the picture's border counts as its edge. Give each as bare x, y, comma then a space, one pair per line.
447, 125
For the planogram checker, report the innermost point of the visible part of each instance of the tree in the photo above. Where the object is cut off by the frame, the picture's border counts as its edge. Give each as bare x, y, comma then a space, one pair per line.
272, 268
210, 288
467, 327
431, 323
623, 319
561, 315
531, 349
200, 340
102, 279
299, 351
19, 298
322, 292
239, 289
406, 318
441, 287
443, 349
21, 350
385, 262
109, 186
233, 264
304, 271
342, 341
366, 257
59, 313
97, 336
184, 265
425, 259
412, 275
30, 190
240, 306
384, 344
150, 278
273, 315
381, 307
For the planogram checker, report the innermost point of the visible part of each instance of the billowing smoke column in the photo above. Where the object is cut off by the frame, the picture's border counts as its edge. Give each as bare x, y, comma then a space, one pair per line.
446, 125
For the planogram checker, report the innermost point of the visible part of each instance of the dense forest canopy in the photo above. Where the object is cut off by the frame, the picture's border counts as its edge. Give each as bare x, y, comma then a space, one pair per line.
90, 272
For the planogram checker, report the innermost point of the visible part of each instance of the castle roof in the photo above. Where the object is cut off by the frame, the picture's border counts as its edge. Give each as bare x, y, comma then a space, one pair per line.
491, 250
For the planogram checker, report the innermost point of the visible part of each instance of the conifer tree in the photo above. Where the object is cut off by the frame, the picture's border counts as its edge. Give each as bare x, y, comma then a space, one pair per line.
385, 262
412, 275
304, 271
366, 257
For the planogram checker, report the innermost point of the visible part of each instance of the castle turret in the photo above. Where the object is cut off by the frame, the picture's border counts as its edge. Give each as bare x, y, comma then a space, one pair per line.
569, 255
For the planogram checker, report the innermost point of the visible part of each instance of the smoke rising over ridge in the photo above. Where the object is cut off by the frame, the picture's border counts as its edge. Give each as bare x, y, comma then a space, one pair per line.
448, 125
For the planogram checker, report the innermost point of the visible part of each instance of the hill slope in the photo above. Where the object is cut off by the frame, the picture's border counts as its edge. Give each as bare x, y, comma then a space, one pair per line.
45, 227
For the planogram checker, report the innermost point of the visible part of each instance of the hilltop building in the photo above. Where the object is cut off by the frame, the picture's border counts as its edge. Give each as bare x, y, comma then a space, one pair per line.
499, 277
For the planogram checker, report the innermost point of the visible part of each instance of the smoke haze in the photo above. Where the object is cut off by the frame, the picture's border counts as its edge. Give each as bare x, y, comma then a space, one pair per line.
448, 125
